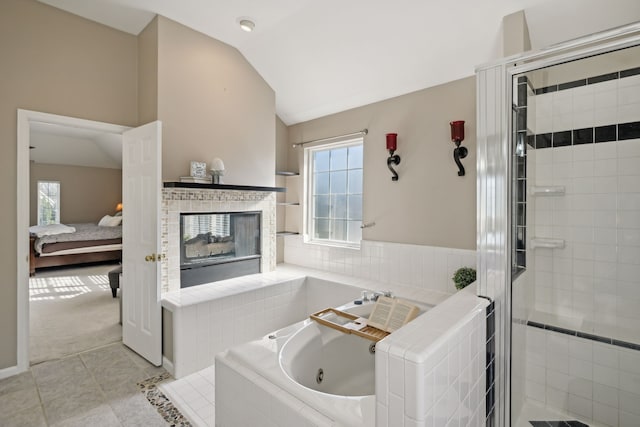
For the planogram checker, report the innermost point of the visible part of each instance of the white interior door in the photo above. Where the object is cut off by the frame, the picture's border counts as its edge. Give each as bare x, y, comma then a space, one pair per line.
141, 196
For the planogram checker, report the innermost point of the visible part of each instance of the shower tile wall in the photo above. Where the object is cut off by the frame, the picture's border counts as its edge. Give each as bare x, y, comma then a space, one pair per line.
587, 140
592, 381
593, 284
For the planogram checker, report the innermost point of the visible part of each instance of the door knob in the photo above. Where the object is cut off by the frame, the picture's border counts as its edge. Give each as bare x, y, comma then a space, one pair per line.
151, 258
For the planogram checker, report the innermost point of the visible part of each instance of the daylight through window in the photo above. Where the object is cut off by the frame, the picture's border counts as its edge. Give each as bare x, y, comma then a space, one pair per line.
48, 202
335, 192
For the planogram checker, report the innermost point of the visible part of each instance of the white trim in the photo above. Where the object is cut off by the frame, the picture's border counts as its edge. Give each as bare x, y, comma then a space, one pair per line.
168, 366
565, 48
308, 192
22, 244
25, 118
9, 372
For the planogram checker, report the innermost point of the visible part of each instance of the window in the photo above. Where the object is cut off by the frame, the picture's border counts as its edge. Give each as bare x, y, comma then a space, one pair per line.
334, 193
48, 202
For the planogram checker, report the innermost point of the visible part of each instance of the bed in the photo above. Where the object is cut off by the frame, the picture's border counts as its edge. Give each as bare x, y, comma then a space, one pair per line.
87, 242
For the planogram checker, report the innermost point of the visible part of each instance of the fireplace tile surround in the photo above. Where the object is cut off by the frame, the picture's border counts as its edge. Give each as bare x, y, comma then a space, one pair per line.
180, 200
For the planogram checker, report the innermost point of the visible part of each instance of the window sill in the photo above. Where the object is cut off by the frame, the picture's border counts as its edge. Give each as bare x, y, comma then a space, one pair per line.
333, 244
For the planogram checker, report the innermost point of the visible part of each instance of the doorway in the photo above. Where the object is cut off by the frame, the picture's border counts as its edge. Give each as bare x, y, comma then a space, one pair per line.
27, 122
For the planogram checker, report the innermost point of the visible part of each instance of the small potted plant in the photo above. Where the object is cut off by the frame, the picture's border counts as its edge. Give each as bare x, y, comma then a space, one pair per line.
464, 276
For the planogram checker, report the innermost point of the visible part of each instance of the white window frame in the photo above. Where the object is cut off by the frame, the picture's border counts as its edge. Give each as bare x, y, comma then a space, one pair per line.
57, 201
308, 193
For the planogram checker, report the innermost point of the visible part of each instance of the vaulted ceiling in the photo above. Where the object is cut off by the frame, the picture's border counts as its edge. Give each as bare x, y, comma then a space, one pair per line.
66, 145
322, 57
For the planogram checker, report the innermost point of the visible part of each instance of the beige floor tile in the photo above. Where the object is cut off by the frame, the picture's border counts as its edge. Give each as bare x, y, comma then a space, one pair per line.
71, 404
56, 369
137, 359
117, 375
137, 411
31, 417
104, 357
19, 400
120, 390
17, 382
154, 371
72, 377
102, 416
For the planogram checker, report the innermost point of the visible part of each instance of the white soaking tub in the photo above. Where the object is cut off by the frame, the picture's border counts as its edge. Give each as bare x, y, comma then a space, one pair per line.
329, 361
328, 372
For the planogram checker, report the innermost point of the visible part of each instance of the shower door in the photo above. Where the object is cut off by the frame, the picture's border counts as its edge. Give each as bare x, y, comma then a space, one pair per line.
575, 241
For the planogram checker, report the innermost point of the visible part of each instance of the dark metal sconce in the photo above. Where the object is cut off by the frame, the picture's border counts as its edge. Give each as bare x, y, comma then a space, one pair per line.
394, 159
457, 136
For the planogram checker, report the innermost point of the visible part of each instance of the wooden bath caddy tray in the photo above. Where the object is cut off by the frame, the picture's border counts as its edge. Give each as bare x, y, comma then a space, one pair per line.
368, 332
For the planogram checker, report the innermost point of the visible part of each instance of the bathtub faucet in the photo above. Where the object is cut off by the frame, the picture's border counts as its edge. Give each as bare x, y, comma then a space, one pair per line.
377, 294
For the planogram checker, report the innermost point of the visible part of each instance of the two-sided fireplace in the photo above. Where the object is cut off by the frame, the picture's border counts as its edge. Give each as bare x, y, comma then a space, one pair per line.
217, 246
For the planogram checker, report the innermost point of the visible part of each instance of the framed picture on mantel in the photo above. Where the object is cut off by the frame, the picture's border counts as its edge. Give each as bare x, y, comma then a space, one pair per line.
198, 169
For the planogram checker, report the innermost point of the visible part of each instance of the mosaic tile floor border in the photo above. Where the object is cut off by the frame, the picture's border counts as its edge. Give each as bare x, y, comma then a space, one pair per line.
165, 407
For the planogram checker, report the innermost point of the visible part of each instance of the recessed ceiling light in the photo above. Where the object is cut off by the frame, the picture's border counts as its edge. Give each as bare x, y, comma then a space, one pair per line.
247, 25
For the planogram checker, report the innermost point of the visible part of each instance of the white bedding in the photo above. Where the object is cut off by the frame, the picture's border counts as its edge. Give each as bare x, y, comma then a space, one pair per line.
50, 229
85, 232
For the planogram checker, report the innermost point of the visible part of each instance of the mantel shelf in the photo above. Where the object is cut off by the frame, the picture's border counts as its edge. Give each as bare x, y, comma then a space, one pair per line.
223, 187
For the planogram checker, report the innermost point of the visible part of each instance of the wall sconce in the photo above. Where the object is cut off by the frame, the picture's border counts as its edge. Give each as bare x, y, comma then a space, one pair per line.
394, 159
457, 136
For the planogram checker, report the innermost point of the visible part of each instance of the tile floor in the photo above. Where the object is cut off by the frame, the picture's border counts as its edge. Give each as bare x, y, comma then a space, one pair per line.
95, 388
531, 412
194, 396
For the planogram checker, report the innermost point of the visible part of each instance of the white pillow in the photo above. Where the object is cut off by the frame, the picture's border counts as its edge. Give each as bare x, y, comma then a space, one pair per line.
110, 221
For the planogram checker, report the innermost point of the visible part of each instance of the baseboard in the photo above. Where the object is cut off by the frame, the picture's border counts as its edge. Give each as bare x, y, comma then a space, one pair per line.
168, 365
9, 372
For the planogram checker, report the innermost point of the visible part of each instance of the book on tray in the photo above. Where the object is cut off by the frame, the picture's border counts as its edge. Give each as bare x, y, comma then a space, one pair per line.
389, 314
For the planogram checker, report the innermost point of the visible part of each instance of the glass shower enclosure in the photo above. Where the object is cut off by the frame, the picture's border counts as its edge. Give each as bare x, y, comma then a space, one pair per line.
574, 220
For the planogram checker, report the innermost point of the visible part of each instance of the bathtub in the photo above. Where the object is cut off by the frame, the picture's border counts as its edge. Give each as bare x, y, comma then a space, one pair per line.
325, 369
329, 361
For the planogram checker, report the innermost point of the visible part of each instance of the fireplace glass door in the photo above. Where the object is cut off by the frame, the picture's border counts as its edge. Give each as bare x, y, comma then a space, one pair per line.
217, 246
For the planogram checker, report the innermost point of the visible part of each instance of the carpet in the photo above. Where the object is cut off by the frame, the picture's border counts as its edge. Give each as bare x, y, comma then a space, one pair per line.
71, 310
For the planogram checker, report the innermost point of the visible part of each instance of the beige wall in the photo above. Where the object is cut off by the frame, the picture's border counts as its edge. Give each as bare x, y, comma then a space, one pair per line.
148, 73
282, 145
213, 104
211, 101
515, 34
86, 194
430, 204
54, 62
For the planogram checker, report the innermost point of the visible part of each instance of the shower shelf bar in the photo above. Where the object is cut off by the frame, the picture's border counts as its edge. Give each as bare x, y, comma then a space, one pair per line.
538, 242
548, 191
